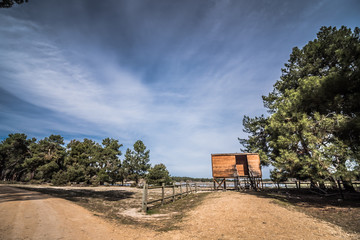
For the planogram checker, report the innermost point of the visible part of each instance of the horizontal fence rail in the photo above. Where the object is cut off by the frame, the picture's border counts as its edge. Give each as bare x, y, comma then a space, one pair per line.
158, 195
304, 184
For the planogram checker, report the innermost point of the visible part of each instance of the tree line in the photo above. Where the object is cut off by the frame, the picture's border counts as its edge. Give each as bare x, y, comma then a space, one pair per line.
86, 161
312, 129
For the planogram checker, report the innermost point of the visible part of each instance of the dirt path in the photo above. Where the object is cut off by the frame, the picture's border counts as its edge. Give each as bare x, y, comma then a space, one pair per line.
223, 215
31, 215
234, 215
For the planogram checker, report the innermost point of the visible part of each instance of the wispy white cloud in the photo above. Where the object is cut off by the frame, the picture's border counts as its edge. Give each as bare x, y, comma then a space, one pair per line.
41, 74
183, 126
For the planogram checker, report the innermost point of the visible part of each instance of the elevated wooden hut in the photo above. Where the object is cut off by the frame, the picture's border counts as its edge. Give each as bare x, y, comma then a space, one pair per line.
243, 168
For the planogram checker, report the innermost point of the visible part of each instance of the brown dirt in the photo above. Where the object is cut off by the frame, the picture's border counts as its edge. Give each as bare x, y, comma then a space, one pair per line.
31, 215
222, 215
341, 212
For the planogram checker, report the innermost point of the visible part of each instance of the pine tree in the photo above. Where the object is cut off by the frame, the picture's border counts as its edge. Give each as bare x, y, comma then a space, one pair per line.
158, 175
47, 158
13, 152
110, 170
136, 162
313, 128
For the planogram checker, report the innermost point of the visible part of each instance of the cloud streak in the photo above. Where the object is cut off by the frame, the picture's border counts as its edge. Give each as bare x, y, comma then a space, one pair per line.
120, 104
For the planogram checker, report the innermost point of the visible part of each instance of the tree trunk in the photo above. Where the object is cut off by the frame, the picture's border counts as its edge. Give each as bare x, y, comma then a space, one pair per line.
136, 180
322, 185
312, 184
333, 182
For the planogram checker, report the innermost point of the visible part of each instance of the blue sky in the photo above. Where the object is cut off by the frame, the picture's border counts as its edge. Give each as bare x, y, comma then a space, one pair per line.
178, 75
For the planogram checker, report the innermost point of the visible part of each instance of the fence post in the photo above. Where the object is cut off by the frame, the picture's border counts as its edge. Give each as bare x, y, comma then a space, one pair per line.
173, 192
187, 187
162, 193
181, 193
144, 199
196, 188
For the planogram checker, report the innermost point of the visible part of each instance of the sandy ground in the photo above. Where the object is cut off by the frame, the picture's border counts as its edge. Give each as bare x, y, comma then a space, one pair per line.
223, 215
32, 215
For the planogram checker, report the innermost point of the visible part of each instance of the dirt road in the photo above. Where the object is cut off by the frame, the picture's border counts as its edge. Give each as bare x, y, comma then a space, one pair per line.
223, 215
31, 215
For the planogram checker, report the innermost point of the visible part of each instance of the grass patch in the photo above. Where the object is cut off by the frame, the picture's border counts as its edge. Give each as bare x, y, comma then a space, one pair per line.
282, 203
176, 210
152, 211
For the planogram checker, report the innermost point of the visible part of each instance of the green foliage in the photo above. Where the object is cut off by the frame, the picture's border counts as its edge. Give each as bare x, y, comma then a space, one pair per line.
47, 157
13, 152
136, 162
84, 161
158, 175
110, 163
48, 160
277, 176
256, 142
313, 128
60, 178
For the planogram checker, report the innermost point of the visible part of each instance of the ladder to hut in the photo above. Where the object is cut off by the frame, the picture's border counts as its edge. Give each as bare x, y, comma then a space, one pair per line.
250, 181
255, 181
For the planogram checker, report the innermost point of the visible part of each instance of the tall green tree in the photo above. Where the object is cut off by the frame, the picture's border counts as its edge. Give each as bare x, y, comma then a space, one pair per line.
47, 158
13, 152
83, 161
110, 167
136, 162
313, 128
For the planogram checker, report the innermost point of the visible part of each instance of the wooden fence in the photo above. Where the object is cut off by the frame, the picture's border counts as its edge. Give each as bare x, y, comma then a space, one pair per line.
304, 184
158, 195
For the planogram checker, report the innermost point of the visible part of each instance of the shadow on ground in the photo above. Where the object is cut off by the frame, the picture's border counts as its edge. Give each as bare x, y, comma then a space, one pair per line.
309, 199
77, 194
12, 194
